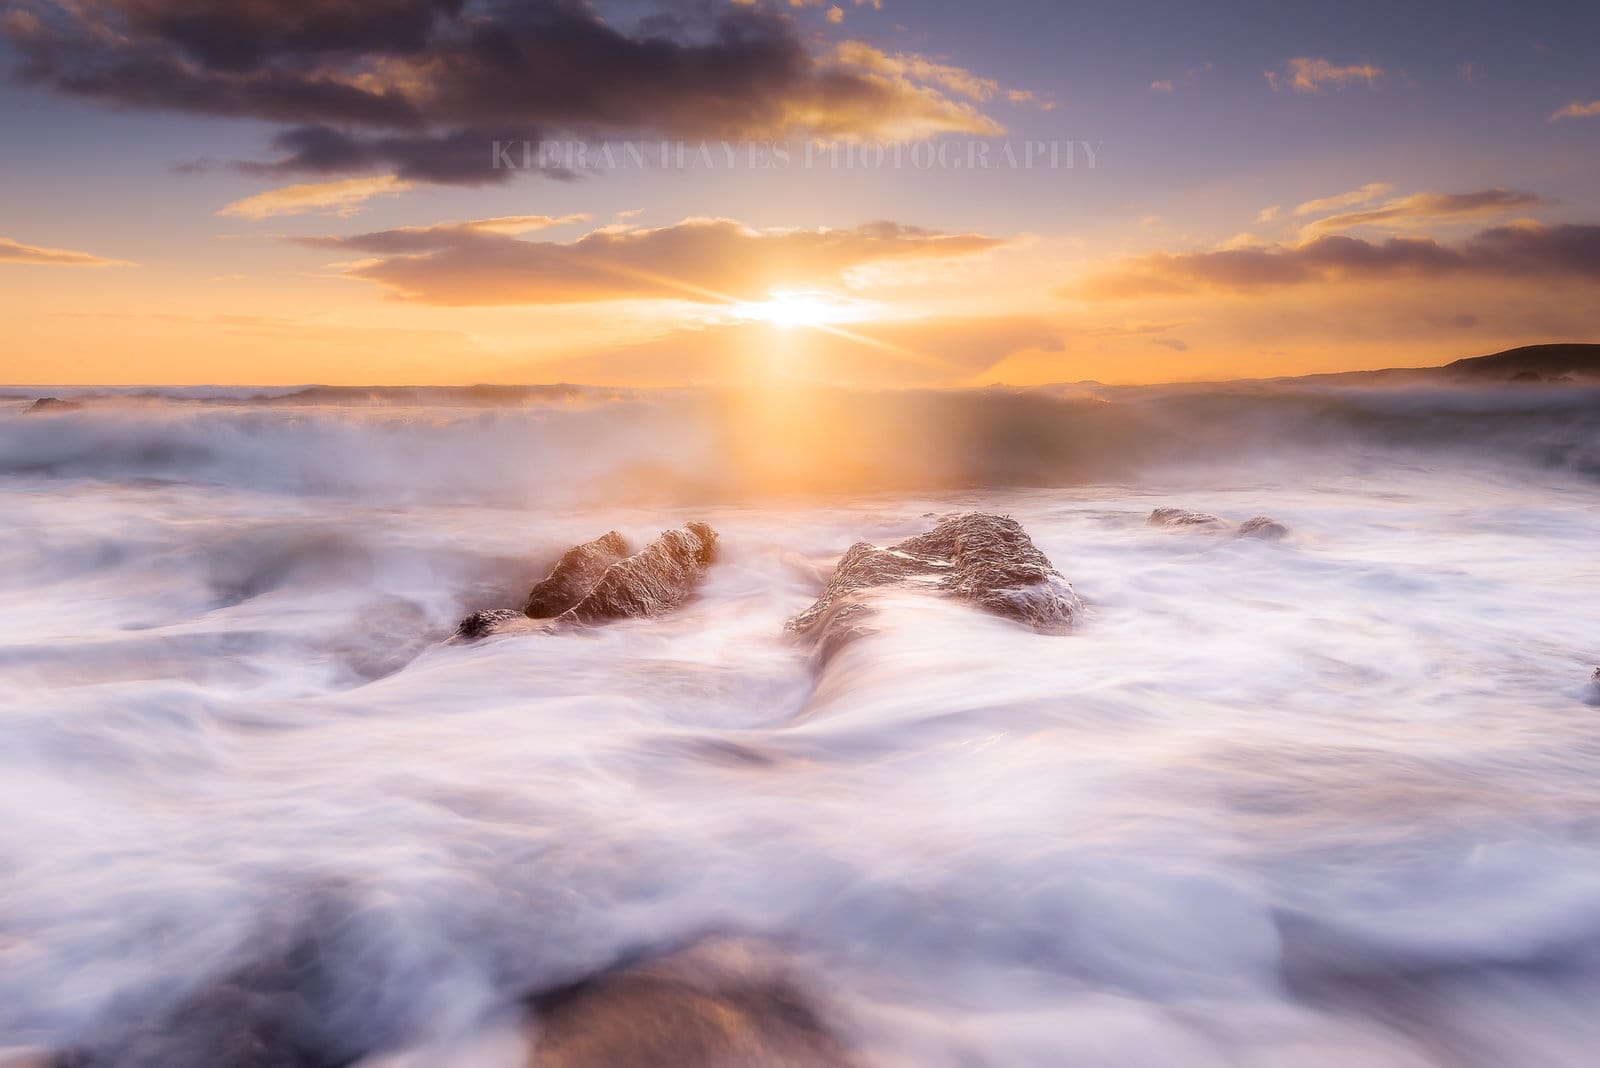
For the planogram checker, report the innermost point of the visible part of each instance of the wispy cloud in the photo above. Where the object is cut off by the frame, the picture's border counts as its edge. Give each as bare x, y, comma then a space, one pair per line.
16, 252
1576, 110
1524, 251
1428, 209
701, 260
1366, 194
341, 198
1306, 75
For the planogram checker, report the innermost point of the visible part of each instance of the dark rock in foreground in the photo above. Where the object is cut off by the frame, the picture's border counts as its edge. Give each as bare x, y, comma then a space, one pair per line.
596, 582
53, 404
578, 571
708, 1007
985, 560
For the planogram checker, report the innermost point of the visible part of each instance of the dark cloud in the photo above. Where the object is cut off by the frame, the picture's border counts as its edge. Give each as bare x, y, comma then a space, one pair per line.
1508, 252
462, 157
704, 260
408, 83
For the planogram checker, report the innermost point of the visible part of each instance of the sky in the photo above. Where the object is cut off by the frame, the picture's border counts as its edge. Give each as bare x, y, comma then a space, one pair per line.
867, 192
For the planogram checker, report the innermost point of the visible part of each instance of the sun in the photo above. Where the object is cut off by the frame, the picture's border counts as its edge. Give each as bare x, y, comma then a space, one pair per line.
787, 309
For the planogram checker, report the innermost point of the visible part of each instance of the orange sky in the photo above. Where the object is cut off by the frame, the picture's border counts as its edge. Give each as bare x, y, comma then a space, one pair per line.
1126, 227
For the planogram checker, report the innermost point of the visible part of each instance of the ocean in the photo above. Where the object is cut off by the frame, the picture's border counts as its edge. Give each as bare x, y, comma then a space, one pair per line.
1330, 800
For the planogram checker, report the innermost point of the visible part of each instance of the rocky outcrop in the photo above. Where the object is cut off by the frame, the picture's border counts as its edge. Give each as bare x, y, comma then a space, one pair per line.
711, 1007
652, 582
1261, 526
53, 404
985, 560
578, 571
597, 582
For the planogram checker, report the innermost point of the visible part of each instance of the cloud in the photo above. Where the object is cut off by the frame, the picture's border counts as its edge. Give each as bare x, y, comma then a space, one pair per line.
328, 198
1367, 193
1525, 251
16, 252
1576, 110
1161, 87
1306, 75
701, 260
1173, 343
1422, 209
912, 65
419, 87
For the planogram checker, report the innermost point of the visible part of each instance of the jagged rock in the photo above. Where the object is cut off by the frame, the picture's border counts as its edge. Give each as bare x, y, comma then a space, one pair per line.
597, 582
707, 1007
575, 575
1182, 517
1265, 527
985, 560
651, 582
53, 404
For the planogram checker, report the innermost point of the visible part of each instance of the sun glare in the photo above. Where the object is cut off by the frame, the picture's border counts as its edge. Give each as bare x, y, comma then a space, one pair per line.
788, 309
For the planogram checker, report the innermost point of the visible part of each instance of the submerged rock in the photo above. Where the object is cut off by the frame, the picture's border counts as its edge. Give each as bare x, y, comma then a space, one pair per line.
985, 560
575, 574
597, 582
1262, 526
1182, 517
710, 1007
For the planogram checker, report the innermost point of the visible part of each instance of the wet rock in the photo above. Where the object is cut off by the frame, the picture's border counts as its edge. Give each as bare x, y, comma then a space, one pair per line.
575, 575
487, 622
314, 992
53, 404
1264, 527
985, 560
597, 582
1261, 526
1182, 517
652, 582
710, 1007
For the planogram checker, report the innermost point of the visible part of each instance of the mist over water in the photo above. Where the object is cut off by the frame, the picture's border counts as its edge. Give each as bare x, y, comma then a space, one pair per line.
1330, 801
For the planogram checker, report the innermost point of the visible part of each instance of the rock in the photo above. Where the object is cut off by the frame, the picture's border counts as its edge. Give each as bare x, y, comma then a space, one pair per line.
487, 622
710, 1007
597, 582
53, 404
575, 575
1261, 526
985, 560
1182, 517
653, 581
1264, 527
